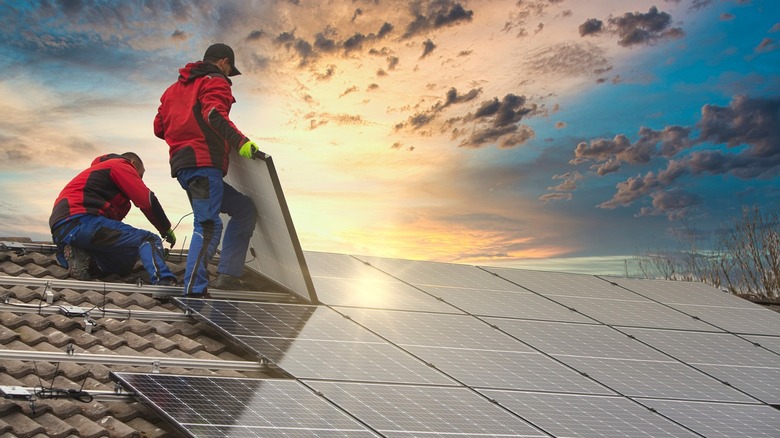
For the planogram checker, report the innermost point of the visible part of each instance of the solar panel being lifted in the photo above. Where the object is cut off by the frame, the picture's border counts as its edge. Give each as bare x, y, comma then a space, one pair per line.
274, 250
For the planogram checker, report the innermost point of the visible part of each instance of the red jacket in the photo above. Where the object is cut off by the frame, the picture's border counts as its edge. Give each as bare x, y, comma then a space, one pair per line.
106, 189
193, 119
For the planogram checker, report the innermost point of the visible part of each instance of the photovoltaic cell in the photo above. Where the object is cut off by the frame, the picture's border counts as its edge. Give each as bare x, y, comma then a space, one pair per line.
436, 330
331, 265
721, 419
508, 370
407, 410
681, 292
569, 415
771, 343
577, 339
559, 283
277, 251
762, 383
524, 305
706, 348
340, 360
313, 342
755, 320
378, 295
634, 313
439, 274
661, 379
222, 406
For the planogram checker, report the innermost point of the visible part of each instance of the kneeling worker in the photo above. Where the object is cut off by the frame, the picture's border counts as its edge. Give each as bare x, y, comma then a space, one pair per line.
86, 222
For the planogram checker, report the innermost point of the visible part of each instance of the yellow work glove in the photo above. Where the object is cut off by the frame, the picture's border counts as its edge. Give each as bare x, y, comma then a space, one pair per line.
170, 237
248, 149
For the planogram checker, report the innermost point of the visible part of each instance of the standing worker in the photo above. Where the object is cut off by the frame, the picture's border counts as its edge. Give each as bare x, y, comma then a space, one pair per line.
86, 222
193, 118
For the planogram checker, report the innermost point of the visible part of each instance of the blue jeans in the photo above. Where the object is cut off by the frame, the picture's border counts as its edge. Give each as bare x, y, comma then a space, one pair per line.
113, 245
209, 196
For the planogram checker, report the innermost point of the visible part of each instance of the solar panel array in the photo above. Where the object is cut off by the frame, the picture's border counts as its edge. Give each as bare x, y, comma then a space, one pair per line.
409, 348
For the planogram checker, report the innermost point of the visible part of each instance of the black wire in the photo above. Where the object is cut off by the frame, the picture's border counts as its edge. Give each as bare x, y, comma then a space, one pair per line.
182, 218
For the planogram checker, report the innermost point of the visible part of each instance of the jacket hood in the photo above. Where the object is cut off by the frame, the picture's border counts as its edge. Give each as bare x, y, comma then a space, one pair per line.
198, 69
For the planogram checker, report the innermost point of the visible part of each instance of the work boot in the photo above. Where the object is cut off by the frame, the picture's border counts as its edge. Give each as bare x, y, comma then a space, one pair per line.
229, 282
78, 262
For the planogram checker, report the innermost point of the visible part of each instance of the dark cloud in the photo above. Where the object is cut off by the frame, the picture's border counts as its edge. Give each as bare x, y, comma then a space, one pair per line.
355, 42
392, 61
326, 43
430, 15
635, 28
506, 136
638, 28
428, 47
748, 128
452, 97
509, 110
591, 26
675, 204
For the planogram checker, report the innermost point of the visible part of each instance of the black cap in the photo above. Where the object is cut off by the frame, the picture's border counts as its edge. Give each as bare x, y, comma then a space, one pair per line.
222, 51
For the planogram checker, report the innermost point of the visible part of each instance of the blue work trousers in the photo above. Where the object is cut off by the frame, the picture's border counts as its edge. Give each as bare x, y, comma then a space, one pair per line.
209, 196
114, 246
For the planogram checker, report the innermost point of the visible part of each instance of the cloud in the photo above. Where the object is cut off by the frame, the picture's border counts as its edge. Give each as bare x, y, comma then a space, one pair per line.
766, 45
452, 97
635, 28
430, 15
428, 47
327, 43
748, 129
570, 59
591, 26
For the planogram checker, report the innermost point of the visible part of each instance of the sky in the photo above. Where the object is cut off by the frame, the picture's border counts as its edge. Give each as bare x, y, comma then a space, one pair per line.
566, 135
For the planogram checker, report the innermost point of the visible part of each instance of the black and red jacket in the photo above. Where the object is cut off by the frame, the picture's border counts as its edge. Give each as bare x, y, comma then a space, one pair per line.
106, 189
193, 119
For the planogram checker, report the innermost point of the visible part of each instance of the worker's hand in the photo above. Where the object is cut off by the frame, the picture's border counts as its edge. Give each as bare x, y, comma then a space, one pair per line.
170, 237
248, 149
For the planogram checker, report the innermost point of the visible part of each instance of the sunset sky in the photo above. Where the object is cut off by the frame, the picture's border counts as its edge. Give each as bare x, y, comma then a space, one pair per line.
551, 134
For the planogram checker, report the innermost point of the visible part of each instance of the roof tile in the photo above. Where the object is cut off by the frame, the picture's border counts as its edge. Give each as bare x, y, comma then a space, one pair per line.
11, 320
211, 345
163, 328
161, 343
55, 428
108, 341
56, 337
35, 270
82, 339
36, 322
147, 429
94, 410
30, 336
23, 426
66, 324
7, 335
117, 429
137, 342
86, 427
62, 408
11, 268
186, 344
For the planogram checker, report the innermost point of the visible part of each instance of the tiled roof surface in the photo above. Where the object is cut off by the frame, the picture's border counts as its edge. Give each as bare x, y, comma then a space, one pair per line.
31, 330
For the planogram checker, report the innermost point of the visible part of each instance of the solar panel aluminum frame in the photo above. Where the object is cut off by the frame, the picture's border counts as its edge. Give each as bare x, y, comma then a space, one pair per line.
258, 179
